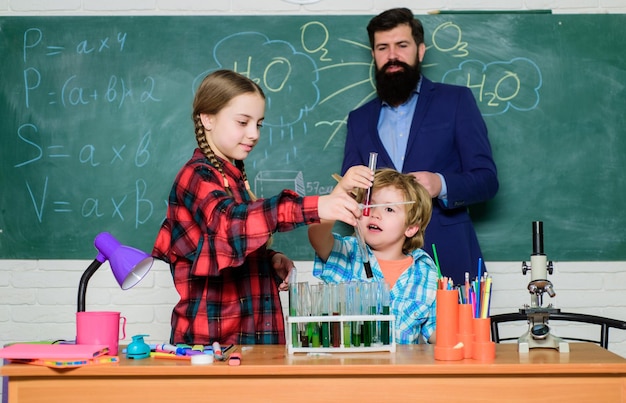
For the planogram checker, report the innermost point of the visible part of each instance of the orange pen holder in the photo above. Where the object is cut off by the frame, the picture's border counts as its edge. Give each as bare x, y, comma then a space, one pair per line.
466, 329
483, 349
448, 345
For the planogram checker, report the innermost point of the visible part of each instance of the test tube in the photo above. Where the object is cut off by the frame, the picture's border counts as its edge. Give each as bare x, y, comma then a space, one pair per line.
325, 311
293, 307
374, 309
368, 194
362, 246
356, 310
335, 327
384, 326
304, 309
365, 310
344, 302
316, 310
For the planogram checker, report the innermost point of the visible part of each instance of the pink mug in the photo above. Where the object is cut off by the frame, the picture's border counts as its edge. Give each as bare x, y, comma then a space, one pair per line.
102, 328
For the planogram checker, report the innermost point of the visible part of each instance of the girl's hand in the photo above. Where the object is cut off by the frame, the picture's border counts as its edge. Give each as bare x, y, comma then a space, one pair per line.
338, 206
282, 266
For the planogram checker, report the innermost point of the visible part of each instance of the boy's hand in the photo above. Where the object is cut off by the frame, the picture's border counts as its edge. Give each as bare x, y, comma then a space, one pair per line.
358, 176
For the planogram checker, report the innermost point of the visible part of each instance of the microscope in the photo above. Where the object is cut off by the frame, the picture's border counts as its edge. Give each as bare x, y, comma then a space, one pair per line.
538, 334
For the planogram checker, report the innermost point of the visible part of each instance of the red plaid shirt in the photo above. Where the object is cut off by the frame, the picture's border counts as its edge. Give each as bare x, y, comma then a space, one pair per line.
215, 244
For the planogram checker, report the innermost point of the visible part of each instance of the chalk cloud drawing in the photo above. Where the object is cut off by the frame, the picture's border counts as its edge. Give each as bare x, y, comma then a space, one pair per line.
500, 85
278, 67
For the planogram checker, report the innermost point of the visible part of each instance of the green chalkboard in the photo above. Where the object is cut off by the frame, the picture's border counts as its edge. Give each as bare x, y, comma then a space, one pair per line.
96, 121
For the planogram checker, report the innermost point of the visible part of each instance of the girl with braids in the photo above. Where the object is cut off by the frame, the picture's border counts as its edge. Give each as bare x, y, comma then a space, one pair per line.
215, 235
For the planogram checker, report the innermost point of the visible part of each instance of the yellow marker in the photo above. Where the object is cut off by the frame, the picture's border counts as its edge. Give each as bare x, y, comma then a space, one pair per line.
168, 356
484, 307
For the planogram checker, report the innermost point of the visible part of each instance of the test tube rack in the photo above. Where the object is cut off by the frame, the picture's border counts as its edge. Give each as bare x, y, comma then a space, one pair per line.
391, 346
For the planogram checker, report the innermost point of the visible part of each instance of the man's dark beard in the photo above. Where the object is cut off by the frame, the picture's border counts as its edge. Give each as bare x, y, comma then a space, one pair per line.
395, 88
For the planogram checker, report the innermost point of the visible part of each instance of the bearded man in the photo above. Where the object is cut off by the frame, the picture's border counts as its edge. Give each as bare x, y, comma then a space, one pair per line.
433, 131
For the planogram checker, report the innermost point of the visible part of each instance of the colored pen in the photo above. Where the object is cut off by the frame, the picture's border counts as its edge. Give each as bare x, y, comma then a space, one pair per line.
436, 261
217, 351
166, 348
190, 352
478, 288
169, 356
64, 363
486, 299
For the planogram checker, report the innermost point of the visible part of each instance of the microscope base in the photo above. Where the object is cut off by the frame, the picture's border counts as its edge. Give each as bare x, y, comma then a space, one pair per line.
527, 341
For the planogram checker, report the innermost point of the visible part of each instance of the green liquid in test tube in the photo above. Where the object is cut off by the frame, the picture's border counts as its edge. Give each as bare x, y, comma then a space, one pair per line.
365, 310
325, 333
373, 310
343, 302
384, 326
293, 307
356, 310
335, 327
315, 337
325, 311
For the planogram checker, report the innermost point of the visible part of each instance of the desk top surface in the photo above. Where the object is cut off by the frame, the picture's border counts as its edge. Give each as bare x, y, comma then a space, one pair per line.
272, 360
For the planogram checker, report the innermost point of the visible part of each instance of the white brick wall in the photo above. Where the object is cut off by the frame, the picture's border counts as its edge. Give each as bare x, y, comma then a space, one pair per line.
38, 298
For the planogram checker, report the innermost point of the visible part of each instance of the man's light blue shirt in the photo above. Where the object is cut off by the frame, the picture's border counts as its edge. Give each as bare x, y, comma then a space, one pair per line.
394, 127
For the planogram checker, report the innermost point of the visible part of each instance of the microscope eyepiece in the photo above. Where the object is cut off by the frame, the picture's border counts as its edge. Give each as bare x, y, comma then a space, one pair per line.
538, 238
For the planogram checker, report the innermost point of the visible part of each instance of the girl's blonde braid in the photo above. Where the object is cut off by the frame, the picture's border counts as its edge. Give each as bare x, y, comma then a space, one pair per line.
240, 166
204, 146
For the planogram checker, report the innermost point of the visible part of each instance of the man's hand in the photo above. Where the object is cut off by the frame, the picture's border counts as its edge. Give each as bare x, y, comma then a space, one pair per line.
430, 181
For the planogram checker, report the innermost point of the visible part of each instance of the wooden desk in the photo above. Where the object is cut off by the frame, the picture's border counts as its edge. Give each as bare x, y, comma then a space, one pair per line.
267, 373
